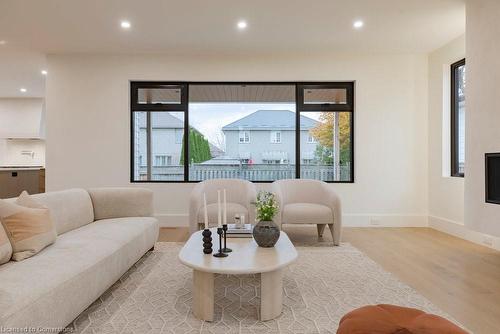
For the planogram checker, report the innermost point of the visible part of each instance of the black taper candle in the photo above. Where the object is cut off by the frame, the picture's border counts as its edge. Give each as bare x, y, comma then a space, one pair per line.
225, 249
220, 253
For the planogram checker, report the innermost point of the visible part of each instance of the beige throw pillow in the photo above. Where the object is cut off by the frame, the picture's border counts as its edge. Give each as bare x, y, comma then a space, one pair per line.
28, 226
5, 247
26, 200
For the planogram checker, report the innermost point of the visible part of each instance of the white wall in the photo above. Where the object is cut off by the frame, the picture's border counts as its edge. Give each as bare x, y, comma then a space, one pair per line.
446, 193
483, 111
88, 129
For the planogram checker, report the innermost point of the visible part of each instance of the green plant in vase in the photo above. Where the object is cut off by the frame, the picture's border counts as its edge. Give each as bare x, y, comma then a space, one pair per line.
266, 233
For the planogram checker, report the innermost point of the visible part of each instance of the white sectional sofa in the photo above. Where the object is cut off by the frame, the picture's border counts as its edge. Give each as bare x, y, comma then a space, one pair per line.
101, 234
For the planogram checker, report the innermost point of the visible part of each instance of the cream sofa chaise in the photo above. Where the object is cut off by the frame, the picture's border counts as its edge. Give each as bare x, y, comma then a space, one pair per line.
101, 234
240, 196
304, 201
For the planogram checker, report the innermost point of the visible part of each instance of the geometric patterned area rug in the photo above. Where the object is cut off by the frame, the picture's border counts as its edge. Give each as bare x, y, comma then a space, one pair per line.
154, 296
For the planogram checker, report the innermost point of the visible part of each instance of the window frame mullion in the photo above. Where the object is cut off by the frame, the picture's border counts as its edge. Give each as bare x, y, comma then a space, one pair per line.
149, 150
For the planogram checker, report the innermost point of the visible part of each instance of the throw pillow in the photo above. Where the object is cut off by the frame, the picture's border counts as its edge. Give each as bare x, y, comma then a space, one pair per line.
5, 247
28, 226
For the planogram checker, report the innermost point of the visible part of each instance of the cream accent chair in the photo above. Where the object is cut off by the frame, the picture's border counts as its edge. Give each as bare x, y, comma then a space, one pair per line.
240, 196
309, 202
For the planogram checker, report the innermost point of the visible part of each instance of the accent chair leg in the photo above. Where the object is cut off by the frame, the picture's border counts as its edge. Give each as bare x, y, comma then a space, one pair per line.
335, 242
151, 249
321, 228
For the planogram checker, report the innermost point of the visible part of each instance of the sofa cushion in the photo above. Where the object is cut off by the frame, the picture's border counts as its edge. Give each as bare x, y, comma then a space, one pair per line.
72, 272
307, 213
69, 209
232, 209
121, 202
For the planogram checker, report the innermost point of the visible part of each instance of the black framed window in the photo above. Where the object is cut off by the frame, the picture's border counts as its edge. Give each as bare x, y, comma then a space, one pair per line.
159, 124
258, 131
326, 150
458, 83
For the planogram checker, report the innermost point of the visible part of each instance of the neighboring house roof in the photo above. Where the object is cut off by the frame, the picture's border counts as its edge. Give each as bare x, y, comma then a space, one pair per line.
270, 120
222, 160
214, 150
162, 120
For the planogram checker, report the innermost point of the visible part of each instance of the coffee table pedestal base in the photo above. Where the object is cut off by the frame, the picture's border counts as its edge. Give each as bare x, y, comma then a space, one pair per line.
203, 295
271, 298
271, 294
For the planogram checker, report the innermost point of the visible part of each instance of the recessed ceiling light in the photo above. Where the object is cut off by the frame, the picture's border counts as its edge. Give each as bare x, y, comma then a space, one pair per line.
125, 24
3, 42
358, 24
242, 25
44, 72
23, 90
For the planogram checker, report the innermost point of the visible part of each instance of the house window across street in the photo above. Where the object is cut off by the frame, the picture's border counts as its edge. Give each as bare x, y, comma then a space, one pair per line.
244, 137
275, 137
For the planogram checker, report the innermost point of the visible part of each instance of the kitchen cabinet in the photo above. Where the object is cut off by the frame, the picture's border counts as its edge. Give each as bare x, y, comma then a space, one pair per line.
14, 180
22, 118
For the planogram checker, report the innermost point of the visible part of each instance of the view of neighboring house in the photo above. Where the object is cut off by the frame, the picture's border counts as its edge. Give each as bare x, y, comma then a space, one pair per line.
166, 140
268, 137
263, 142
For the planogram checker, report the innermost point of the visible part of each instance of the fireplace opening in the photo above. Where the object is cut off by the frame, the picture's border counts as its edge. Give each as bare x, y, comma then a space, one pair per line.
492, 163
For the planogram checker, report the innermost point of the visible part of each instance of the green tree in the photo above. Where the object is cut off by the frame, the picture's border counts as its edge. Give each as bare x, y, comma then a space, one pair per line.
323, 132
199, 148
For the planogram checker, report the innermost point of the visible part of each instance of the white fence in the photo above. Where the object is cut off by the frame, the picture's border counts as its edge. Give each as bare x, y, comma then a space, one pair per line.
260, 172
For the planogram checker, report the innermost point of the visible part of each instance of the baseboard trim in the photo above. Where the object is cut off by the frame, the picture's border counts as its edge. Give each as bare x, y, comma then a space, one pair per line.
461, 231
387, 220
376, 220
349, 220
173, 220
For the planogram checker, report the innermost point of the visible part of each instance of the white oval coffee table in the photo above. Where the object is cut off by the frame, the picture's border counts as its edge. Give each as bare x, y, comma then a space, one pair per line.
246, 258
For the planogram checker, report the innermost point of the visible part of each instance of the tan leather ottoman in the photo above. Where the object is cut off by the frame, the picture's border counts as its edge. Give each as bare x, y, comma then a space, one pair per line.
390, 319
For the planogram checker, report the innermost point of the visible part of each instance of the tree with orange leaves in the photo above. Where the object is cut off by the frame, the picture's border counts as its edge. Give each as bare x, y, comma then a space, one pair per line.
323, 133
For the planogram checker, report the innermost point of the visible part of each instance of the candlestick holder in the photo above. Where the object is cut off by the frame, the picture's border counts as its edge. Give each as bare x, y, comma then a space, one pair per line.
220, 253
225, 249
207, 241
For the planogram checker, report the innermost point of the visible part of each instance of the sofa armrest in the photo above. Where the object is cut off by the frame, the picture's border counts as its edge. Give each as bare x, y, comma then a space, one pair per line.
121, 202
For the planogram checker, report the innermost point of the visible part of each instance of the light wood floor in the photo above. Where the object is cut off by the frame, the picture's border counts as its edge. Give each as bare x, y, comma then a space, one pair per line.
458, 276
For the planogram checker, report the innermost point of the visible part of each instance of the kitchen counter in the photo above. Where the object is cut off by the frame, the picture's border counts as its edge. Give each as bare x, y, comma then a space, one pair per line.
19, 168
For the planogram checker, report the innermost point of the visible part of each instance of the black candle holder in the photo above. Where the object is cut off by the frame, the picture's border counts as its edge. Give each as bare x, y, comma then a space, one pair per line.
225, 249
207, 241
220, 253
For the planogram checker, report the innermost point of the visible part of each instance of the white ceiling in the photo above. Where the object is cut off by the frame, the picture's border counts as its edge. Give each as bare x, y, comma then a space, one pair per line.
209, 27
21, 69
